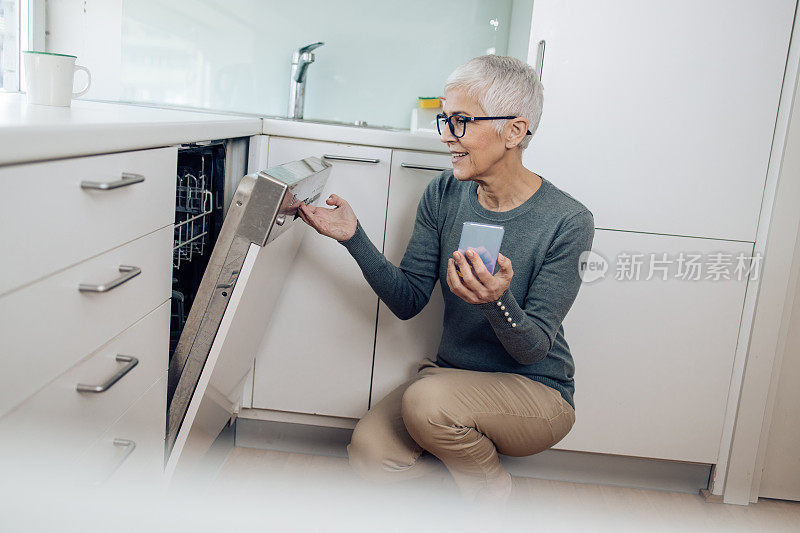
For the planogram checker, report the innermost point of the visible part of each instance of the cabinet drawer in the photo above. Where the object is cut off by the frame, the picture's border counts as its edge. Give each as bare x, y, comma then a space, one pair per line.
54, 222
52, 429
131, 451
47, 327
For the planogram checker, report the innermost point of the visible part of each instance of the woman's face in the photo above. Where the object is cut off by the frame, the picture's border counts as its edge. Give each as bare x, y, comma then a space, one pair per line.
481, 143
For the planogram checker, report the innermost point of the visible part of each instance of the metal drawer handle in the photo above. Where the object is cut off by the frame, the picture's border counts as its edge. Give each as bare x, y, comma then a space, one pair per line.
423, 167
126, 179
128, 273
130, 445
357, 159
107, 384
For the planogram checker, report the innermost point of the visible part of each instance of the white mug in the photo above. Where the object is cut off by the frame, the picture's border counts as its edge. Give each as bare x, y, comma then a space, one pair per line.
49, 78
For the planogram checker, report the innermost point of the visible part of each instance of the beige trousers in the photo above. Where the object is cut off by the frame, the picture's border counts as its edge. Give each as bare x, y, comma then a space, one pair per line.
464, 418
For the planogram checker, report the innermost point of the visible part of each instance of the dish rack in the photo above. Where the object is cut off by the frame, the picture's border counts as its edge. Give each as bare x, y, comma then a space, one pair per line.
199, 213
194, 204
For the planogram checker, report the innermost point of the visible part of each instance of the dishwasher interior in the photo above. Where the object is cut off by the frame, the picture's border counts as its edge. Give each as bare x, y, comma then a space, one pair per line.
200, 197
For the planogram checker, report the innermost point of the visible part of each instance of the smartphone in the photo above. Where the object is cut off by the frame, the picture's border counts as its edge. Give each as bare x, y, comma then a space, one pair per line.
485, 240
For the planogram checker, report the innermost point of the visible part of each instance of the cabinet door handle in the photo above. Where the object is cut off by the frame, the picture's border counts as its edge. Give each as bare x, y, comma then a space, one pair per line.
129, 361
128, 273
356, 159
126, 179
423, 167
540, 58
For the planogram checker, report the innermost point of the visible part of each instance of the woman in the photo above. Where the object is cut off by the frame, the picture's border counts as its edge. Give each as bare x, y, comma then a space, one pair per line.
502, 380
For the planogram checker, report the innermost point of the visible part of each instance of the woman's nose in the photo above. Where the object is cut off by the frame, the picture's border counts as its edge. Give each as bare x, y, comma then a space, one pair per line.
446, 135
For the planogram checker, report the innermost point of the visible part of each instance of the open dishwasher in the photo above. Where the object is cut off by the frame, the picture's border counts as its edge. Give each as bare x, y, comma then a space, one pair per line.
240, 283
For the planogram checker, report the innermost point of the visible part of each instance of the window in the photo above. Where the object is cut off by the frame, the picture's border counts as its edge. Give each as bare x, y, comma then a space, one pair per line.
9, 45
21, 28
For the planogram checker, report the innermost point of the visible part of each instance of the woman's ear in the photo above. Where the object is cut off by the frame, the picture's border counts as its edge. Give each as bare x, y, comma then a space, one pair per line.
516, 129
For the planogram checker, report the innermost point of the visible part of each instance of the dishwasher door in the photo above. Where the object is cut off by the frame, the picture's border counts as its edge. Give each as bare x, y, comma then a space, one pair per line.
236, 298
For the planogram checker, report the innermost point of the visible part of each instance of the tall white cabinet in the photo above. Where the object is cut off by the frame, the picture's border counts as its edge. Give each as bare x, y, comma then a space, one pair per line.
668, 146
659, 115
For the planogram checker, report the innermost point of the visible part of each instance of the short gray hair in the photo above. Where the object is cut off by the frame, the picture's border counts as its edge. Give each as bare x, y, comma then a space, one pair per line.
502, 85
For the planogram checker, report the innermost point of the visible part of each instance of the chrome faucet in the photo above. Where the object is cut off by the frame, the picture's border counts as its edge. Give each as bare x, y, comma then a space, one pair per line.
301, 59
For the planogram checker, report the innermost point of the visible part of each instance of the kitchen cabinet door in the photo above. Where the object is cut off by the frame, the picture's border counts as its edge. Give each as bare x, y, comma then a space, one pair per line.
654, 357
659, 115
401, 344
316, 354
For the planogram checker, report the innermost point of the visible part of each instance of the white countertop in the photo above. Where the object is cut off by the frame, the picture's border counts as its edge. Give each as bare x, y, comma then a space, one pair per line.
34, 133
37, 133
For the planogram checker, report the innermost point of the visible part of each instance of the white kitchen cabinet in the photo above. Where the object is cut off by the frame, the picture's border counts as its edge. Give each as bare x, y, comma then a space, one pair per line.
48, 326
65, 211
316, 354
654, 357
401, 344
659, 116
59, 423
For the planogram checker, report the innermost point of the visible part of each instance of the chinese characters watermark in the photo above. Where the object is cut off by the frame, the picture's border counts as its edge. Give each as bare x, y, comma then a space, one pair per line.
685, 266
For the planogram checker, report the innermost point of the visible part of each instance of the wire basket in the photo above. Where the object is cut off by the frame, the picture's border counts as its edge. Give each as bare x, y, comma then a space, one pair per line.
193, 205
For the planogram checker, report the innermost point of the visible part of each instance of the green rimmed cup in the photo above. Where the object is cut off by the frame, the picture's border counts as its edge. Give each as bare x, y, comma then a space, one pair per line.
49, 78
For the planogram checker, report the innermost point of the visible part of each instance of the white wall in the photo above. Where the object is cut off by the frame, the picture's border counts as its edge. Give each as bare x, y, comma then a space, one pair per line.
91, 30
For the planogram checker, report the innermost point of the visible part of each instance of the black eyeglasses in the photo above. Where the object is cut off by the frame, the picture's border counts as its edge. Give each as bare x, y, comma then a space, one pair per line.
459, 128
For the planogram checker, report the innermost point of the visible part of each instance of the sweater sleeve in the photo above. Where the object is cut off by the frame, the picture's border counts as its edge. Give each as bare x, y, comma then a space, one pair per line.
528, 332
405, 289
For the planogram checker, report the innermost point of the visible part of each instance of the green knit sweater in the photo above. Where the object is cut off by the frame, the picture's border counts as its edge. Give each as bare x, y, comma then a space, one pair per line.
544, 238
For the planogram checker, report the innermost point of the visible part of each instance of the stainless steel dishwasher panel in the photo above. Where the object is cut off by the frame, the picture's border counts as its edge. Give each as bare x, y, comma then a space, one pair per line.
234, 302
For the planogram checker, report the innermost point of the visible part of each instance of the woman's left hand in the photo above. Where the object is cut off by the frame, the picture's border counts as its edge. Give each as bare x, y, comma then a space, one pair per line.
483, 288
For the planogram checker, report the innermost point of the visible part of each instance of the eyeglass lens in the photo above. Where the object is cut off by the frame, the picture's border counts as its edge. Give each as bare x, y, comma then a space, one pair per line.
456, 123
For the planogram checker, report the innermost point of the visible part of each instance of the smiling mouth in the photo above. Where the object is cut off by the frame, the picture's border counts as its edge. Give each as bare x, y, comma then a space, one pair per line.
458, 156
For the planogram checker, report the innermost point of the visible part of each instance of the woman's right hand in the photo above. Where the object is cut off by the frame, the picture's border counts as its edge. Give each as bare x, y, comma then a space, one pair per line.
338, 223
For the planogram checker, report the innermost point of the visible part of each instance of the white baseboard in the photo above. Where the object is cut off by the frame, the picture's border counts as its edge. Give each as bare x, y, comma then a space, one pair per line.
298, 418
560, 465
